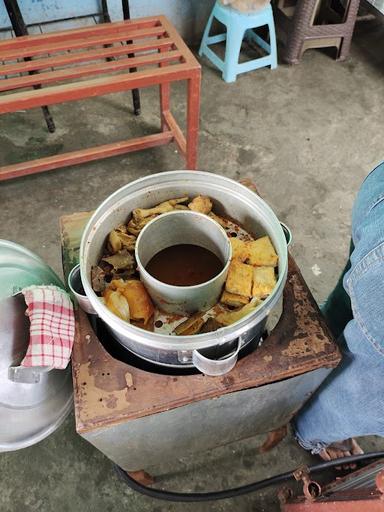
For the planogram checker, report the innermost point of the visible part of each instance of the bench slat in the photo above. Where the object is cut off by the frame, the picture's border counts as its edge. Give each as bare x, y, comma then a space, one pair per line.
84, 155
74, 44
30, 41
95, 87
89, 55
92, 69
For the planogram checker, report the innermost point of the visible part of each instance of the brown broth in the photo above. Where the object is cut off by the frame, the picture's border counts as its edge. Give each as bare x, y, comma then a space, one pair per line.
184, 265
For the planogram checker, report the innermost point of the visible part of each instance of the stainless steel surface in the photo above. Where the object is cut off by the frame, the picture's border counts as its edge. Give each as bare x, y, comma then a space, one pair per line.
75, 284
33, 401
215, 367
378, 4
230, 199
175, 228
27, 375
204, 425
20, 268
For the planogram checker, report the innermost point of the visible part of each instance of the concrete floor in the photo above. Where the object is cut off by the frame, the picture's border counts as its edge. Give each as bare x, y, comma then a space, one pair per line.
307, 135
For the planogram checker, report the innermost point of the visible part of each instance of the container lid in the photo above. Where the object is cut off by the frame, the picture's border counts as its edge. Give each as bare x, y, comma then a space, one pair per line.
29, 412
20, 267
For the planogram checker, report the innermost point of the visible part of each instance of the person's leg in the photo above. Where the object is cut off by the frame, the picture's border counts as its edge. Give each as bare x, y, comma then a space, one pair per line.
337, 309
349, 402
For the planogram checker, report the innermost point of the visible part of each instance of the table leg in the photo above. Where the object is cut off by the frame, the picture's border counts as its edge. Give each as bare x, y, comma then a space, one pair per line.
193, 116
164, 103
165, 93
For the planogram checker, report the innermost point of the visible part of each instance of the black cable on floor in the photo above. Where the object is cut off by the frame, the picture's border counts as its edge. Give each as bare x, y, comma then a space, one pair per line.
237, 491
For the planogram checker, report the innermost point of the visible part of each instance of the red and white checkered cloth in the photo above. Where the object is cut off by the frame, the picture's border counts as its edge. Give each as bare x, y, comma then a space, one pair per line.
52, 329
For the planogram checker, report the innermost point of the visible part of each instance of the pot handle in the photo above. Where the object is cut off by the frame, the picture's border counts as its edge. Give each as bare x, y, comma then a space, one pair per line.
287, 233
215, 367
26, 374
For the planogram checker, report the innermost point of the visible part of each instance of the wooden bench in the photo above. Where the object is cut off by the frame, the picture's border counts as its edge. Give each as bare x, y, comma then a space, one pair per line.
93, 61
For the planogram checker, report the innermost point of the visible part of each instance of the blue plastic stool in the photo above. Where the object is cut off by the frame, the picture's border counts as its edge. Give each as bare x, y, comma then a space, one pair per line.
239, 25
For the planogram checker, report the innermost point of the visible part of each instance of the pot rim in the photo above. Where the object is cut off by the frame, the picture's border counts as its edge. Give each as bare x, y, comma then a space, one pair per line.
183, 342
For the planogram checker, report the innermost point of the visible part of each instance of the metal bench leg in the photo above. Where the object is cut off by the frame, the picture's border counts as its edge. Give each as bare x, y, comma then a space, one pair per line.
20, 29
135, 92
106, 19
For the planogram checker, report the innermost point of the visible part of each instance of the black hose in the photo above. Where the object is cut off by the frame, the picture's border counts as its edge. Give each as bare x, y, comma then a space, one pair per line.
237, 491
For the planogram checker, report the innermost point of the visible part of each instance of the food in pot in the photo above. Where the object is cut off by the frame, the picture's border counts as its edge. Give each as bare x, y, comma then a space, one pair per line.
251, 277
262, 253
190, 326
264, 281
135, 226
201, 204
117, 303
230, 317
167, 206
239, 279
98, 279
210, 325
140, 305
240, 249
119, 240
233, 300
122, 260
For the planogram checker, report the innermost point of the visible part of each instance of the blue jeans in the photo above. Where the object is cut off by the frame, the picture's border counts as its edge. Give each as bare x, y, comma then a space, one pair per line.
350, 402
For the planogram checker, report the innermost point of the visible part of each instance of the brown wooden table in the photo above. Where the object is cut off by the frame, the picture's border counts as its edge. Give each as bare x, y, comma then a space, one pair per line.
138, 418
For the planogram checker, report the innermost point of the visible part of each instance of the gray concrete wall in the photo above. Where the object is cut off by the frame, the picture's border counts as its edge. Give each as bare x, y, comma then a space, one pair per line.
189, 16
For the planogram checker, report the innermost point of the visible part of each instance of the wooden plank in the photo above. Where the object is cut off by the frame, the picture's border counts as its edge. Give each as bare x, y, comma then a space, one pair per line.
176, 130
92, 69
67, 35
89, 55
83, 155
100, 40
92, 88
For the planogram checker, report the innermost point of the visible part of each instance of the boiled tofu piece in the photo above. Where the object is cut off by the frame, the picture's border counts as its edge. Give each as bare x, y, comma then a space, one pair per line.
264, 281
239, 279
262, 253
240, 249
231, 299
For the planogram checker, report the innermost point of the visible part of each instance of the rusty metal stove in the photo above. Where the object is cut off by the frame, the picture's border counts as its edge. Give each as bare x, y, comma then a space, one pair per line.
124, 410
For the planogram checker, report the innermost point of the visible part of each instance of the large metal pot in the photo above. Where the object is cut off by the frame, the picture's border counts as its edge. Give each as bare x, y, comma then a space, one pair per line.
33, 401
212, 353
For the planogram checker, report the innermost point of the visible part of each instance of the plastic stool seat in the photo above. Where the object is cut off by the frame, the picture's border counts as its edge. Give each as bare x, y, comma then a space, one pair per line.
239, 25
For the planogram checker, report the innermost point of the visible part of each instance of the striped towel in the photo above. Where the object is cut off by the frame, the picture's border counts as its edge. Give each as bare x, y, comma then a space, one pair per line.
52, 329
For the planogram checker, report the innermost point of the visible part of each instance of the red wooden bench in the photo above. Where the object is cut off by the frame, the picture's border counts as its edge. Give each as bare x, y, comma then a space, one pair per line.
71, 65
